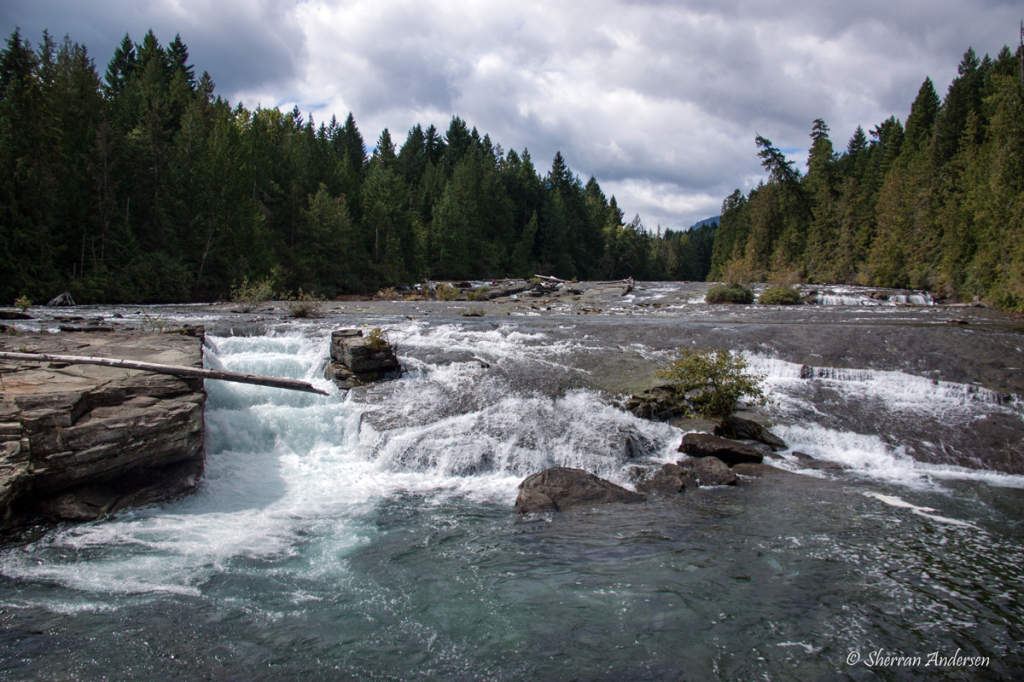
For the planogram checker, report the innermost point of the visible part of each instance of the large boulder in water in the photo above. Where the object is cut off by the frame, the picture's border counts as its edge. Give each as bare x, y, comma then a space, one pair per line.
729, 451
561, 488
746, 429
357, 359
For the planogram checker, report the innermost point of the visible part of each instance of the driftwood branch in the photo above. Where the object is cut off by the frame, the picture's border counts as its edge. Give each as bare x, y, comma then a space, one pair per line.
174, 370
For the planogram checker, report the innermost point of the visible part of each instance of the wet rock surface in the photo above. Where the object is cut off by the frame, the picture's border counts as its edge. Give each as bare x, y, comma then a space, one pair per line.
561, 488
711, 471
80, 441
661, 402
701, 445
738, 428
671, 479
358, 359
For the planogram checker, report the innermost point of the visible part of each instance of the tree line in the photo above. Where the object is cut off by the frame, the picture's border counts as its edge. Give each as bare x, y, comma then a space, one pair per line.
937, 203
144, 186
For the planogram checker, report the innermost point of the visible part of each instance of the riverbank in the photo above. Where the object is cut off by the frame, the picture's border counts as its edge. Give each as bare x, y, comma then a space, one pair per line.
83, 441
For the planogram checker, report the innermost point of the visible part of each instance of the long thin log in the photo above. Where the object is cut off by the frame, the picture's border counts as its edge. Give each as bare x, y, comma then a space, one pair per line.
237, 377
549, 278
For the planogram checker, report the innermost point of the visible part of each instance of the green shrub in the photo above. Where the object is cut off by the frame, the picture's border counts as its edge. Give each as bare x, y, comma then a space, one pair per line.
780, 296
447, 292
22, 303
251, 295
478, 294
305, 305
377, 338
712, 381
729, 293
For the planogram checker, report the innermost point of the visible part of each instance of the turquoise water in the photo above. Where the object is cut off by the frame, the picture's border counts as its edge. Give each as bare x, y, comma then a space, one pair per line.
371, 536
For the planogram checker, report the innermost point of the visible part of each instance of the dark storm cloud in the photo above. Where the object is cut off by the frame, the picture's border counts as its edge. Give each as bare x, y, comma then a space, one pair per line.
659, 100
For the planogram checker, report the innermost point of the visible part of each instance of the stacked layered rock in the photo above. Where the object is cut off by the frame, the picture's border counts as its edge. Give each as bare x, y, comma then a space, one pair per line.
80, 441
358, 359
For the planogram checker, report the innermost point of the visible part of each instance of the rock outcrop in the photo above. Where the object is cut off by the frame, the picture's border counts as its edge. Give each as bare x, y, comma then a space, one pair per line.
729, 451
561, 488
712, 471
744, 429
661, 402
808, 462
671, 479
80, 441
358, 359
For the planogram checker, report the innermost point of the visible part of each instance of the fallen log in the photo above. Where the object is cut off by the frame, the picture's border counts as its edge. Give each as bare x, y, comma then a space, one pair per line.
174, 370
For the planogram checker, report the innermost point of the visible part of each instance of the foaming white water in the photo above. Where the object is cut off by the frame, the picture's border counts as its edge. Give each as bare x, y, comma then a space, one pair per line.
898, 389
846, 299
290, 476
501, 344
913, 299
871, 456
516, 435
926, 512
278, 462
869, 297
887, 393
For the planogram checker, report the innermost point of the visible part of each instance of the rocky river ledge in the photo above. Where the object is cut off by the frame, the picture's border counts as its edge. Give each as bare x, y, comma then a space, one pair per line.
82, 441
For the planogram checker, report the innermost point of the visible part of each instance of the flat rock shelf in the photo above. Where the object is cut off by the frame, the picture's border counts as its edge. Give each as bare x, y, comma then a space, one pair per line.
80, 441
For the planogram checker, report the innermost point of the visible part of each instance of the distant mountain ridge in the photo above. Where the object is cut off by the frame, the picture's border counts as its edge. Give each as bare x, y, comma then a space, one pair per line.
702, 223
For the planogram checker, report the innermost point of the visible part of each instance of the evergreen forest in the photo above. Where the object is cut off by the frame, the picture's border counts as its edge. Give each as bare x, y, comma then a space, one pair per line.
143, 186
936, 204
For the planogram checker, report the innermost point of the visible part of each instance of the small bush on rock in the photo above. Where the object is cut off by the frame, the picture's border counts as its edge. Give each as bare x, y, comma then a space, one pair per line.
305, 305
779, 296
251, 295
712, 381
377, 338
447, 292
478, 294
729, 293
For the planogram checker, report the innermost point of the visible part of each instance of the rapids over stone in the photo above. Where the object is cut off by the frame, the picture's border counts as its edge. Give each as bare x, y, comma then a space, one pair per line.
371, 534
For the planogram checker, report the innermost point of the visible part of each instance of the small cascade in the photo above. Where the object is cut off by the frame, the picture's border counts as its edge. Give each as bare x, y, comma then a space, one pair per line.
872, 297
846, 299
918, 298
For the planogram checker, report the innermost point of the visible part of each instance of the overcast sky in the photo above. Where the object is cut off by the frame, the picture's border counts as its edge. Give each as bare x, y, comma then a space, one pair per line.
660, 101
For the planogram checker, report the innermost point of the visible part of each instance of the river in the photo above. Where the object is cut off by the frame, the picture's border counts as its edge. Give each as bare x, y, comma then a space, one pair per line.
371, 536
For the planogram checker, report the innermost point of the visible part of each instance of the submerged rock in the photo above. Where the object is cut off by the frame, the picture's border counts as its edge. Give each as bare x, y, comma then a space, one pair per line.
739, 428
561, 488
357, 359
729, 451
808, 462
